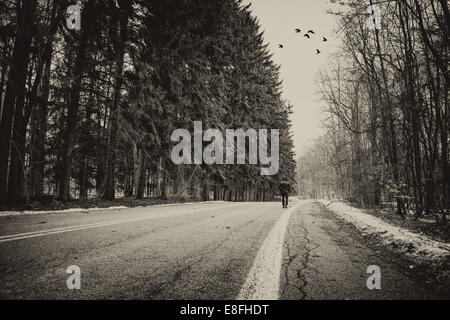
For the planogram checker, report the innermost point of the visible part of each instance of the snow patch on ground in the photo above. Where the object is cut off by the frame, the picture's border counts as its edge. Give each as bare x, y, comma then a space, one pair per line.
72, 210
414, 243
32, 212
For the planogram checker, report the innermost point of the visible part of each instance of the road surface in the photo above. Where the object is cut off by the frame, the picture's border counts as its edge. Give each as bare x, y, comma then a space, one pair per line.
214, 250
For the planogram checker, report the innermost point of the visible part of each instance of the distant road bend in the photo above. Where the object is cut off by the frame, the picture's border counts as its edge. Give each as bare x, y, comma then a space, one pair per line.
210, 250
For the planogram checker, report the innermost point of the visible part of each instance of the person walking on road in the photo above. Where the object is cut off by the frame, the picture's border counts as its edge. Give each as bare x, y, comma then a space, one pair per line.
285, 188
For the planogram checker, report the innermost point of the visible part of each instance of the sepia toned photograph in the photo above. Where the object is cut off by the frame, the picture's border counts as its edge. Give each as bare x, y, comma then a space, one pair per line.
225, 154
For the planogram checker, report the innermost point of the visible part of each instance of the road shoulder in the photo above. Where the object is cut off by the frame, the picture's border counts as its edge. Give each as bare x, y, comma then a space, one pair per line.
325, 257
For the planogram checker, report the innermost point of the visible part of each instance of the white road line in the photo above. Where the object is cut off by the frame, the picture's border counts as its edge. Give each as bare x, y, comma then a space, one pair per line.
41, 233
263, 280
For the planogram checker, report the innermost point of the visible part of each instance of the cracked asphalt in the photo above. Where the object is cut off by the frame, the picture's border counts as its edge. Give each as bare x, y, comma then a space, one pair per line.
327, 258
189, 251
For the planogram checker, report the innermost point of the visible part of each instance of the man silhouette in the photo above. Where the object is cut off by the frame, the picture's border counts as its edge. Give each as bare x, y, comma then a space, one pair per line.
285, 188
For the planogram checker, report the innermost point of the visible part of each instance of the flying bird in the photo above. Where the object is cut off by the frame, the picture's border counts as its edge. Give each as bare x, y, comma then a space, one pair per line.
280, 46
307, 35
310, 31
325, 39
318, 51
297, 30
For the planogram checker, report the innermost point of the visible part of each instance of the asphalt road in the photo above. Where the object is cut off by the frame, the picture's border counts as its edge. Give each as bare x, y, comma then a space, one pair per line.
194, 251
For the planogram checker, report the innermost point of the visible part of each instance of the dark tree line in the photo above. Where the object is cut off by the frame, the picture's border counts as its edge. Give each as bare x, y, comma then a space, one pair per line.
387, 100
89, 112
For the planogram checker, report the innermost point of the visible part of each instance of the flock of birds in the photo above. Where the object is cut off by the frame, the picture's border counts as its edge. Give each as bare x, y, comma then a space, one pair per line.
306, 35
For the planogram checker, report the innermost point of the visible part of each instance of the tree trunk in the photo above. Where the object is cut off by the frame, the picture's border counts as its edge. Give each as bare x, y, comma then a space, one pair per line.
141, 176
14, 95
39, 134
125, 7
74, 102
205, 188
163, 181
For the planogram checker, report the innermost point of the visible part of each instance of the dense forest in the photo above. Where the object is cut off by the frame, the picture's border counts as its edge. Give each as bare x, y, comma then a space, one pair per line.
386, 100
89, 113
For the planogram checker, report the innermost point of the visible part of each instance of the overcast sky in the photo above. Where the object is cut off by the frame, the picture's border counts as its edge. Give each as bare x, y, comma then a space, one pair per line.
298, 59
